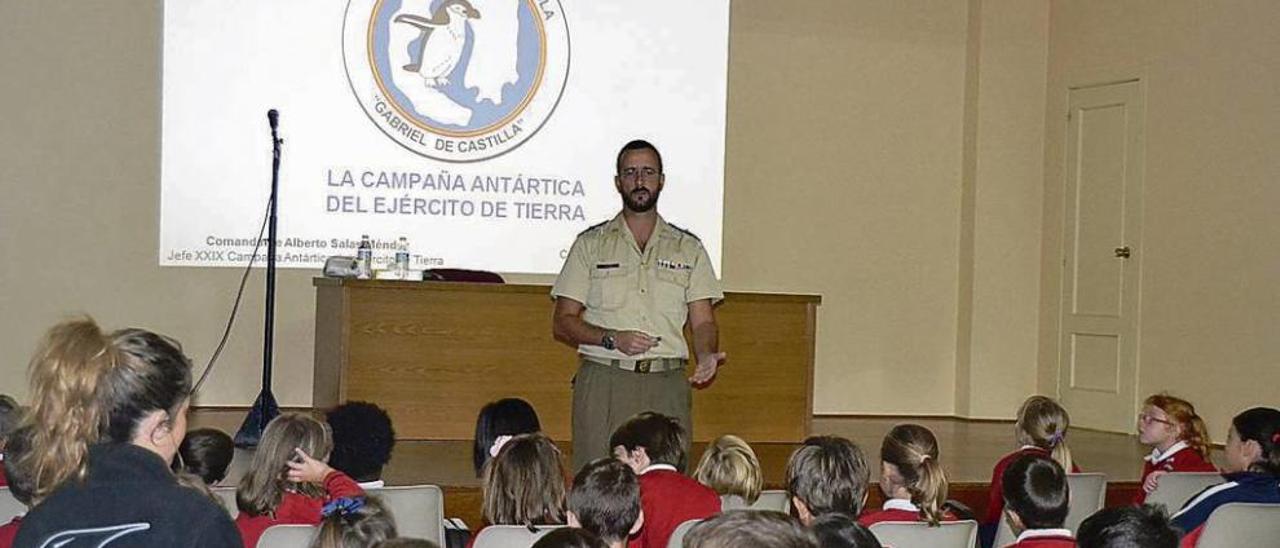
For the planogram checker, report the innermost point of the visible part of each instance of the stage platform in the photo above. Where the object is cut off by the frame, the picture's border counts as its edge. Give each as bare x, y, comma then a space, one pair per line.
969, 450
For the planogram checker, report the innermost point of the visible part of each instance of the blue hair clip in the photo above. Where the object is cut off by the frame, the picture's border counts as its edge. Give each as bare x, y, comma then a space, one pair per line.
344, 506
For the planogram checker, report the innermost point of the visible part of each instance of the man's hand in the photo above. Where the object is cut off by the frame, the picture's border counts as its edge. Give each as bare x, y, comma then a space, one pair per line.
708, 365
633, 342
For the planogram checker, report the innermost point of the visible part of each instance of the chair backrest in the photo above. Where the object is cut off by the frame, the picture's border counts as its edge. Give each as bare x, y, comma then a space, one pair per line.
1088, 492
1241, 524
9, 506
228, 497
950, 534
1174, 489
418, 510
677, 536
511, 536
287, 536
773, 499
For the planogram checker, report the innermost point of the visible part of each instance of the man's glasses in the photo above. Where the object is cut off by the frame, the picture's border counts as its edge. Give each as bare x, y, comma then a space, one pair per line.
643, 174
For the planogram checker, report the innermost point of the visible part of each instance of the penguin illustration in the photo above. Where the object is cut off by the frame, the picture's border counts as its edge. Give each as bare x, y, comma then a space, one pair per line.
443, 36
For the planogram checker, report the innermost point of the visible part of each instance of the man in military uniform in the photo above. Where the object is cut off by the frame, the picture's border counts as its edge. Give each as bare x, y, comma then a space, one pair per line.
622, 298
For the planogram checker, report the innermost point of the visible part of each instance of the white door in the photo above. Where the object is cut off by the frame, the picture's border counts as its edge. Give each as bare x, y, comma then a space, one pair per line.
1102, 254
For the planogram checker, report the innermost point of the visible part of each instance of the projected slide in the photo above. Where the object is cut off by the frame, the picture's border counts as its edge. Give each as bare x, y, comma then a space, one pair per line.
484, 131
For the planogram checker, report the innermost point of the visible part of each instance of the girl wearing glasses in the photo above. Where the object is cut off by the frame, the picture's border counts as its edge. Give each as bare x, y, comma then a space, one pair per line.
1178, 438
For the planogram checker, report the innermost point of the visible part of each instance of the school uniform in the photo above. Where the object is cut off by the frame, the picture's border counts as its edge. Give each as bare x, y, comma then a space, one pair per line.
669, 498
9, 531
1253, 487
1044, 538
897, 510
1179, 457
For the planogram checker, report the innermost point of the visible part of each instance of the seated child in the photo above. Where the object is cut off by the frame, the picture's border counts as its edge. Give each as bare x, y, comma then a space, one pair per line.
570, 537
730, 468
497, 422
524, 484
1178, 438
1041, 429
750, 529
1143, 526
362, 441
841, 531
205, 453
19, 484
653, 445
911, 478
1036, 502
605, 500
356, 522
285, 484
828, 474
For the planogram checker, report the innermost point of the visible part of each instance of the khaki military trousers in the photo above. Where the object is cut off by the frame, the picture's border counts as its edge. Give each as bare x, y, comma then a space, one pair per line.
604, 397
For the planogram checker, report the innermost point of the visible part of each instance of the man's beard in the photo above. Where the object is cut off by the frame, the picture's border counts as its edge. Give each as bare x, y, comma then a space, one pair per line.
635, 206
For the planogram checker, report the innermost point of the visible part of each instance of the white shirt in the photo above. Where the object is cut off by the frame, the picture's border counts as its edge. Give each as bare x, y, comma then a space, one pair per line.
1156, 457
375, 484
653, 467
1038, 533
899, 504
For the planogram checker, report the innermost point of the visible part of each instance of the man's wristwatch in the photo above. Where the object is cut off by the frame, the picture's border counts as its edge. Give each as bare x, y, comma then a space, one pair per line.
607, 341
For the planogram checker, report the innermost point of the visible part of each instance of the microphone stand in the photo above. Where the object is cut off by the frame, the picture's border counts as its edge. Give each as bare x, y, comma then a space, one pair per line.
265, 407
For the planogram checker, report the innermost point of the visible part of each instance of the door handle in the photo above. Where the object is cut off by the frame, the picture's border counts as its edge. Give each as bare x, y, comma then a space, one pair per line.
1123, 252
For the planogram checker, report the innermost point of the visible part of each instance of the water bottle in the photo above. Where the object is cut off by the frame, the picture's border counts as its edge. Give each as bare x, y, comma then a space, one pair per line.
402, 257
364, 257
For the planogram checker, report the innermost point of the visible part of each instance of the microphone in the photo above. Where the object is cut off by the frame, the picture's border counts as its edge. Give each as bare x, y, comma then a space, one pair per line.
273, 118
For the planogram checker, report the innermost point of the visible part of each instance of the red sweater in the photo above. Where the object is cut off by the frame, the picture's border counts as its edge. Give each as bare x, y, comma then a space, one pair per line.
1179, 458
995, 501
8, 531
1044, 538
296, 509
4, 476
669, 498
896, 510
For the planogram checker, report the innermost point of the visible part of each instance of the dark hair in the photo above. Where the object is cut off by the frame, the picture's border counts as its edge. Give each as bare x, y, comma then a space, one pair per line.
1145, 526
570, 537
362, 439
1261, 425
750, 529
842, 531
1035, 488
205, 452
661, 436
829, 474
606, 499
88, 387
637, 144
367, 525
20, 485
10, 416
505, 417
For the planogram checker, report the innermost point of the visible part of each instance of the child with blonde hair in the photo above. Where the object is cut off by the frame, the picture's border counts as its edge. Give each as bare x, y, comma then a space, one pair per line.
356, 522
1041, 429
911, 478
730, 468
1178, 438
289, 480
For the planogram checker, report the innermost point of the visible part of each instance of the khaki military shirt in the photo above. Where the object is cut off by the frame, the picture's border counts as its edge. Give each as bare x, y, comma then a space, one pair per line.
624, 289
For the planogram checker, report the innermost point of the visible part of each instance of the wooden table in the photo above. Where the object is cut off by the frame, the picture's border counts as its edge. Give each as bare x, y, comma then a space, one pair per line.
433, 353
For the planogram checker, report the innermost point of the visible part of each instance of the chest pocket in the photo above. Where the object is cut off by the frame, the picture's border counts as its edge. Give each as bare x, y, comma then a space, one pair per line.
673, 283
609, 286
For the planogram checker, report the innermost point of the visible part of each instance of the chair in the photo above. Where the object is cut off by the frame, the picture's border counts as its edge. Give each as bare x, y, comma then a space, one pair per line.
951, 534
1241, 524
511, 536
677, 536
1176, 488
776, 500
1088, 492
418, 510
9, 506
287, 536
228, 497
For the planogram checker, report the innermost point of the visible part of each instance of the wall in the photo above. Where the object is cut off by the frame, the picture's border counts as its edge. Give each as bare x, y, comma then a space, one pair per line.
843, 170
1211, 246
